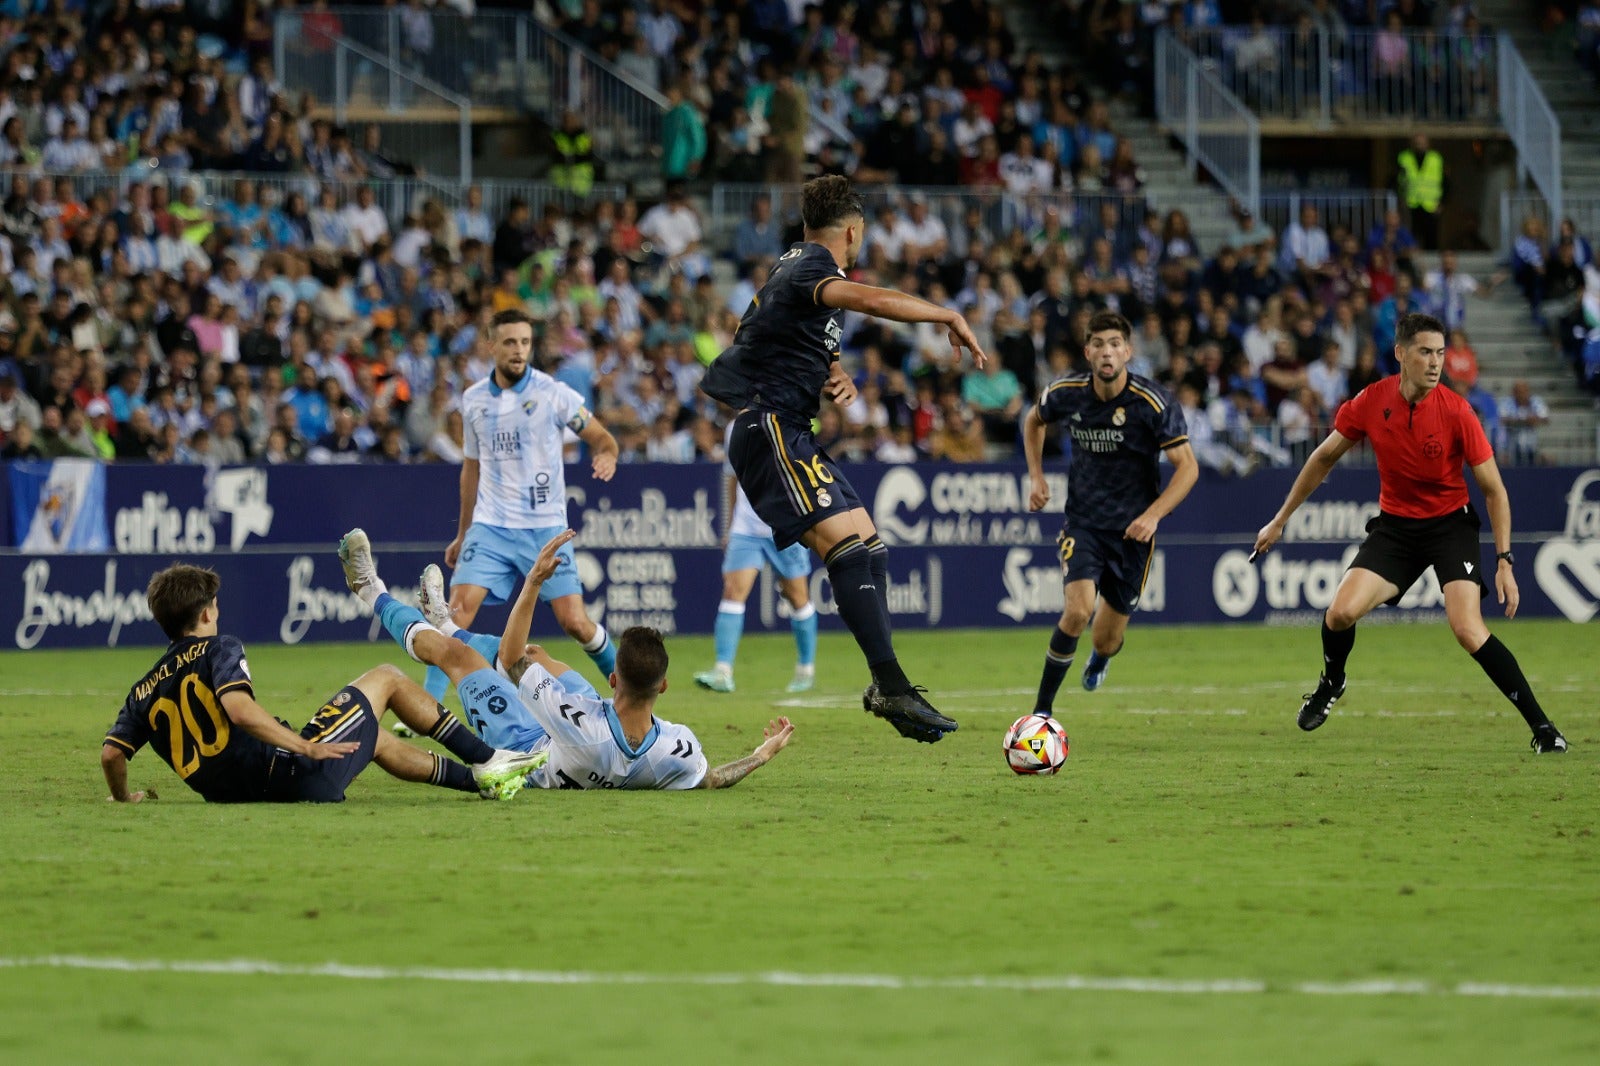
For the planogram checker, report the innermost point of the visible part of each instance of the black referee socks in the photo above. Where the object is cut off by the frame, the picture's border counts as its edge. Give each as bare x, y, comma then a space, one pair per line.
1501, 666
1336, 646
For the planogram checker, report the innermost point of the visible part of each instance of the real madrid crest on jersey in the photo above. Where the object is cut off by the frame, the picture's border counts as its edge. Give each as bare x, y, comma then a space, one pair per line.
823, 498
1118, 417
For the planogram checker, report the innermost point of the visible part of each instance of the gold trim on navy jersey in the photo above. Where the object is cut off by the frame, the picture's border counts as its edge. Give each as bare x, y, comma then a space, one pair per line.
1151, 398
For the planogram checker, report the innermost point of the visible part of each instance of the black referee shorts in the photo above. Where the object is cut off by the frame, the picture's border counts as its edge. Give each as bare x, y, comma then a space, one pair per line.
1400, 549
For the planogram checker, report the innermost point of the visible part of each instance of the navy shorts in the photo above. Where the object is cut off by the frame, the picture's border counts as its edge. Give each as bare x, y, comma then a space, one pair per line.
1118, 565
792, 484
348, 716
1400, 549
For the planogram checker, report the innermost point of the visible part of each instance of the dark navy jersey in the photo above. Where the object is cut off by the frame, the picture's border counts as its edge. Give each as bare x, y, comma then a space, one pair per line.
1114, 475
786, 343
176, 708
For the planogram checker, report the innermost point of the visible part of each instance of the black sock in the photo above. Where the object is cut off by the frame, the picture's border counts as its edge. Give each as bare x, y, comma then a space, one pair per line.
447, 773
1336, 645
1057, 661
878, 556
856, 594
1501, 666
458, 740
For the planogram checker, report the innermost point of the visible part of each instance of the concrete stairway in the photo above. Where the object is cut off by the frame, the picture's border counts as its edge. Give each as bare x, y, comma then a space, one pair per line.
1571, 91
1510, 350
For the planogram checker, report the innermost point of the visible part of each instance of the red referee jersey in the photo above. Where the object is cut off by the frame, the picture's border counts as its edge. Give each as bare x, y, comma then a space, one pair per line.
1420, 447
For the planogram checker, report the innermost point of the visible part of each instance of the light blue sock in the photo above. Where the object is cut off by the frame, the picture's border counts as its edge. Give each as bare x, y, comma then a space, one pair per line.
397, 617
804, 624
728, 630
482, 643
602, 652
436, 682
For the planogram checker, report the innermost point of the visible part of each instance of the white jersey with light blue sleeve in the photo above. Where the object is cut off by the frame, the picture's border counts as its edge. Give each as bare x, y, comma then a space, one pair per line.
587, 747
745, 523
516, 436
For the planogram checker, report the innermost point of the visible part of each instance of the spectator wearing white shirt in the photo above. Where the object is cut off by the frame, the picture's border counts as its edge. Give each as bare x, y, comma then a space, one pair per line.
1522, 414
618, 285
1023, 172
70, 151
472, 221
1447, 291
925, 233
674, 227
970, 128
1328, 378
889, 235
366, 221
1306, 251
65, 109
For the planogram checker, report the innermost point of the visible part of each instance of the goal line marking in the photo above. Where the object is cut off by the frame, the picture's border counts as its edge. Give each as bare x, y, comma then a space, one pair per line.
785, 979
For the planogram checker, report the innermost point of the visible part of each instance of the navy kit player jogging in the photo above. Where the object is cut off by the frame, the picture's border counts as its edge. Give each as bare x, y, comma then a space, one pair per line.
782, 359
1119, 426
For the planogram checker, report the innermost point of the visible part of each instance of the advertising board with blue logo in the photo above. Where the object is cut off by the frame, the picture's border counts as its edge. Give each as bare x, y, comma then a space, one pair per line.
964, 550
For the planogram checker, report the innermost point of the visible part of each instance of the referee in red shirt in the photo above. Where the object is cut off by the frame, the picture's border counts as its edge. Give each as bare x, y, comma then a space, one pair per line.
1421, 435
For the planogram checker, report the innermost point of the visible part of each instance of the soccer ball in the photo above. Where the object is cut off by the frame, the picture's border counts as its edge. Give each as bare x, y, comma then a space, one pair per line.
1036, 745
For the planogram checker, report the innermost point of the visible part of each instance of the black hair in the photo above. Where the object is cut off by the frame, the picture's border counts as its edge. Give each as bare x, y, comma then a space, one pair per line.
1414, 323
827, 201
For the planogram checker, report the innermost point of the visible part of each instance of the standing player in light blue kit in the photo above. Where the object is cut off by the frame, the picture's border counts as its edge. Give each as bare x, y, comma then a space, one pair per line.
749, 547
514, 491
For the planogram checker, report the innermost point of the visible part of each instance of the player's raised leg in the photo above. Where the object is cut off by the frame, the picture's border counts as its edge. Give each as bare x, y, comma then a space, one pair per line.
500, 773
1463, 608
1078, 608
840, 539
1360, 590
738, 578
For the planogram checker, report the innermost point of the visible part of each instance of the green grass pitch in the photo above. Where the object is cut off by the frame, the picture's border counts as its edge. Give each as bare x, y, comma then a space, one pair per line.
1201, 884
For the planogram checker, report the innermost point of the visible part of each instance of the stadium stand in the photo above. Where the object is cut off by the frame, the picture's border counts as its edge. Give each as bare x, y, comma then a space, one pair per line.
328, 302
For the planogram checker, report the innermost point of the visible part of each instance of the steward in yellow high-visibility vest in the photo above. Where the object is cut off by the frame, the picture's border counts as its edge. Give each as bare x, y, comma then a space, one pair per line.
573, 169
1422, 187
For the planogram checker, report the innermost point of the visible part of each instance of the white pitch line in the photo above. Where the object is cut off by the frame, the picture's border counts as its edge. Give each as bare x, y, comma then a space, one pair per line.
784, 979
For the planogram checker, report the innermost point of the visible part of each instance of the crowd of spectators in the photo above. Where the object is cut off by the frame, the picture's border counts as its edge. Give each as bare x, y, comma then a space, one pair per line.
1583, 18
281, 321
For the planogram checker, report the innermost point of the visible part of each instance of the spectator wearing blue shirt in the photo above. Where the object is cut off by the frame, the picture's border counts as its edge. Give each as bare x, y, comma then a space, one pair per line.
759, 236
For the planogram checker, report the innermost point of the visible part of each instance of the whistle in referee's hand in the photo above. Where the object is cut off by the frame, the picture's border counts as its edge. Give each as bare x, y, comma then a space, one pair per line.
1253, 554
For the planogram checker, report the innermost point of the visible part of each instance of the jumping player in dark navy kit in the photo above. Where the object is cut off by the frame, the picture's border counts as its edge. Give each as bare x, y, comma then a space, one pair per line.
196, 708
783, 357
1422, 437
1120, 425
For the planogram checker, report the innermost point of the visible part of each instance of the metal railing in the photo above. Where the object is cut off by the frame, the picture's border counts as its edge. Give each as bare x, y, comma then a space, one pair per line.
1357, 210
501, 60
1313, 75
1534, 130
1517, 206
1215, 127
420, 120
999, 211
396, 197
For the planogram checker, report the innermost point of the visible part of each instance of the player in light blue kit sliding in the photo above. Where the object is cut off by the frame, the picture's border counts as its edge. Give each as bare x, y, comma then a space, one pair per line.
750, 547
519, 694
514, 491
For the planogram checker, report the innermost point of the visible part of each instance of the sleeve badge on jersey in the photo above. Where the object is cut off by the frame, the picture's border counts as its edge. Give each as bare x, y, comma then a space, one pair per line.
341, 699
1118, 417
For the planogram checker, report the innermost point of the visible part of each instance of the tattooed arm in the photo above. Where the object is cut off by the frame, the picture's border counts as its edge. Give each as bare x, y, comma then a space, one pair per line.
777, 735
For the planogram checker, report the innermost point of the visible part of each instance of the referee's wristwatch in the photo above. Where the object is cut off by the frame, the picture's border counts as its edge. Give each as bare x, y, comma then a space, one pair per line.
1507, 556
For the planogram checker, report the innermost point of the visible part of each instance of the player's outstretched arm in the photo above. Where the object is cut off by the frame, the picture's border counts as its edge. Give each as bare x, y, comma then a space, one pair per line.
469, 502
514, 641
1314, 473
902, 307
244, 712
1033, 450
1185, 473
114, 764
777, 734
603, 448
1498, 503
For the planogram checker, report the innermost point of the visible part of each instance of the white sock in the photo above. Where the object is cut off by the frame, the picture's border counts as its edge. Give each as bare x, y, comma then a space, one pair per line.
725, 669
597, 641
448, 627
369, 594
805, 669
805, 612
411, 636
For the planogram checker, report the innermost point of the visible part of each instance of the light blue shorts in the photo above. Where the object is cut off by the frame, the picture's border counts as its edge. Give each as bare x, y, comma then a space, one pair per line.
751, 553
498, 715
497, 559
